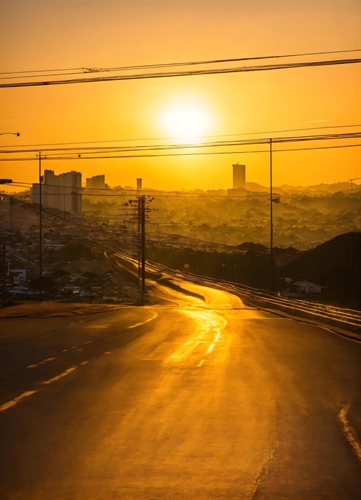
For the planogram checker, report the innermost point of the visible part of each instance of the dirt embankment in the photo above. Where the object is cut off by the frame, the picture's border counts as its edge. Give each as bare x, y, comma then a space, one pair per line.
50, 309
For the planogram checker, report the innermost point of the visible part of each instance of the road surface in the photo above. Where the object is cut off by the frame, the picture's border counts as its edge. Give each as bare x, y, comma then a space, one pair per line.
191, 399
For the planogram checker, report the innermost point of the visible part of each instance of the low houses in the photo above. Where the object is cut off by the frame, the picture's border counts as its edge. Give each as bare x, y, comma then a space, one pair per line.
17, 275
307, 287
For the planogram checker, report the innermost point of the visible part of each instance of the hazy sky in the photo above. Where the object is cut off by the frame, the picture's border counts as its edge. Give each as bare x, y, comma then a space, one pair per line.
52, 34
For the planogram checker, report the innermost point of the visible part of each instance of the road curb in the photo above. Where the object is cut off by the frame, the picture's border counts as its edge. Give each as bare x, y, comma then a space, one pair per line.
349, 431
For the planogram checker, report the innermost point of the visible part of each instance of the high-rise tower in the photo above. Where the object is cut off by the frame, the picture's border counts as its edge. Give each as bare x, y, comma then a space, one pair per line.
239, 176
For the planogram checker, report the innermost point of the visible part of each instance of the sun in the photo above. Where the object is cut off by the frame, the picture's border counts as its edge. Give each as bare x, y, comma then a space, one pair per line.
186, 121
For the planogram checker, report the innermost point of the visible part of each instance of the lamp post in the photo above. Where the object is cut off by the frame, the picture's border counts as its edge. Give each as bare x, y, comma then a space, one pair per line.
235, 273
10, 133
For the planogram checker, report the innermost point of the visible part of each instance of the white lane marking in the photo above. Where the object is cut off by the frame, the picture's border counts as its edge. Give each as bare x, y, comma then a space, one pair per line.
189, 343
64, 374
140, 324
5, 406
46, 361
97, 326
201, 363
41, 363
73, 346
210, 348
84, 363
79, 349
108, 352
65, 350
217, 337
89, 342
349, 432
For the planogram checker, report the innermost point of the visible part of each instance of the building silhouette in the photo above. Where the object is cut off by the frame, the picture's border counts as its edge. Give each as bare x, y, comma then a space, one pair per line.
239, 180
239, 176
96, 182
63, 192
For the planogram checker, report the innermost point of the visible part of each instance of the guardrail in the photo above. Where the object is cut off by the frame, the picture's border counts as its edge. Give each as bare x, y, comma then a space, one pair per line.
344, 317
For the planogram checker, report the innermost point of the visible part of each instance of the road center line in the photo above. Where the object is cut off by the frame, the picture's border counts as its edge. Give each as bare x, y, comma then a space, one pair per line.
143, 323
46, 361
16, 400
201, 362
64, 374
210, 348
217, 337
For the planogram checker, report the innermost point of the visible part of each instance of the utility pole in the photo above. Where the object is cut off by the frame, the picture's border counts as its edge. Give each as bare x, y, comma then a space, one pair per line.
40, 231
4, 269
11, 202
142, 287
351, 263
271, 217
140, 214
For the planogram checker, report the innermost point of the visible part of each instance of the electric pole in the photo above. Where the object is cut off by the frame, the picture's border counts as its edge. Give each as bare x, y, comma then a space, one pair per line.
141, 218
40, 231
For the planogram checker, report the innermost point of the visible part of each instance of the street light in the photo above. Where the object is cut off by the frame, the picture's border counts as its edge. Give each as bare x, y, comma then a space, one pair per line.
10, 133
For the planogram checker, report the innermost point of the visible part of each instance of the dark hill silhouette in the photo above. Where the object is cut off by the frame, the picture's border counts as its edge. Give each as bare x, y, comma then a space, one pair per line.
335, 264
327, 264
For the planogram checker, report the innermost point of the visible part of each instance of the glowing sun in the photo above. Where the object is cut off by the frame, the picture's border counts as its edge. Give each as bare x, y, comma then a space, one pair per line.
186, 121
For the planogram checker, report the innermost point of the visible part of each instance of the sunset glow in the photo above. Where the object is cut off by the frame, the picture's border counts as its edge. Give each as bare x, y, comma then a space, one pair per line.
177, 37
186, 121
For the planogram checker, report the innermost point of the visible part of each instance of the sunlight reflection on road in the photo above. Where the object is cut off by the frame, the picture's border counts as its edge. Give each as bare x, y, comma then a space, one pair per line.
205, 334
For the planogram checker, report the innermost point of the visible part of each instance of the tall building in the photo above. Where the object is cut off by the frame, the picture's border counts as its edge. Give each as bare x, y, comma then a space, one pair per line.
139, 184
96, 182
239, 176
63, 192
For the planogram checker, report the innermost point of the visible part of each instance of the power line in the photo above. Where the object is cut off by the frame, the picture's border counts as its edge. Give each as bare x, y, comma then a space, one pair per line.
162, 147
203, 153
82, 70
171, 194
143, 76
268, 132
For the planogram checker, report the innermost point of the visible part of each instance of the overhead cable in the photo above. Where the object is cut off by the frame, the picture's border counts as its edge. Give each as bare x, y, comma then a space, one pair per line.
162, 147
160, 155
82, 70
268, 132
172, 74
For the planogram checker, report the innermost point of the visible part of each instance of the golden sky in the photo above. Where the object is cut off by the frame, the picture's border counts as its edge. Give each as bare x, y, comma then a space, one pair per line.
53, 34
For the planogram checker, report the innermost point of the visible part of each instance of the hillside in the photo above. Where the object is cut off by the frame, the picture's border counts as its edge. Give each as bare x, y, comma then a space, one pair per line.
327, 265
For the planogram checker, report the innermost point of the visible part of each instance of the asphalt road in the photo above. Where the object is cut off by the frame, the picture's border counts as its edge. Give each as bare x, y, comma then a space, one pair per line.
188, 400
